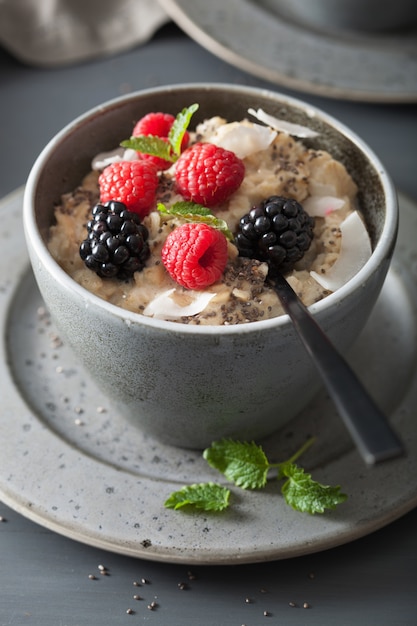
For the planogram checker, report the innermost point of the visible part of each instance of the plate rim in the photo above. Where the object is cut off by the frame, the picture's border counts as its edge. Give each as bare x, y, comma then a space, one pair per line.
339, 533
194, 26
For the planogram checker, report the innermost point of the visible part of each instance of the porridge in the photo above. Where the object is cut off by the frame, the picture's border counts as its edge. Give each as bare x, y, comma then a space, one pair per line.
266, 162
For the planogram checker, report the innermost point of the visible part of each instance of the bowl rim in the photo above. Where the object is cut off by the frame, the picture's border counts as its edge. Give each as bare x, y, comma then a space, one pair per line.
380, 253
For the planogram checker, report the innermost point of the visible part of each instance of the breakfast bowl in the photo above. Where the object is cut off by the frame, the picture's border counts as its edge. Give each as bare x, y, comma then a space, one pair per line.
187, 384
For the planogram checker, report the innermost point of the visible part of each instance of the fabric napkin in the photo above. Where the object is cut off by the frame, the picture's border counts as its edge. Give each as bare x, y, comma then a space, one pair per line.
57, 32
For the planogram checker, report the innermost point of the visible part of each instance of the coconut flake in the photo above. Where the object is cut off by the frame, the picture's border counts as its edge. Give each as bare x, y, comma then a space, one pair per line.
320, 206
241, 139
355, 251
165, 307
287, 127
104, 159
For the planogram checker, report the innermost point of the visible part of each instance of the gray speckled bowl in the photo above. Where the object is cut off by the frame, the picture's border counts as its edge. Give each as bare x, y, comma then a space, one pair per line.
190, 385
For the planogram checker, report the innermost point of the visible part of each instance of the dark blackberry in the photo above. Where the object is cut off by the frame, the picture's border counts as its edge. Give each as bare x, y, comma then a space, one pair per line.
278, 231
116, 244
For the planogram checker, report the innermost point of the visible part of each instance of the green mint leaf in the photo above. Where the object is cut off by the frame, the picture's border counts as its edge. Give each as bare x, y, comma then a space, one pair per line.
148, 144
206, 496
179, 127
304, 494
169, 150
180, 209
191, 212
243, 463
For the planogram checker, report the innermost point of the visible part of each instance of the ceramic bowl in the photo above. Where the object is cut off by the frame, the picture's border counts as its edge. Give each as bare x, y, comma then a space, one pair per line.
189, 385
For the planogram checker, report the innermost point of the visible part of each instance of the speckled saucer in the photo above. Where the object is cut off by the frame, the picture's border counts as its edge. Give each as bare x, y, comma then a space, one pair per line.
69, 462
359, 66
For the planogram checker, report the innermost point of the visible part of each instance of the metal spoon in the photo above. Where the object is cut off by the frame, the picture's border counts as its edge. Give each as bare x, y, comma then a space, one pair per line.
368, 426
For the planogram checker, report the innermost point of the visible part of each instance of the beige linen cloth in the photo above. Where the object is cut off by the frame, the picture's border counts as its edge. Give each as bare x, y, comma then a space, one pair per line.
57, 32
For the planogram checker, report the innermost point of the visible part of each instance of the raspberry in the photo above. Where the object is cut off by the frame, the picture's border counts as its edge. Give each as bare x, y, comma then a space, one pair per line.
278, 231
132, 182
158, 125
208, 174
195, 255
117, 244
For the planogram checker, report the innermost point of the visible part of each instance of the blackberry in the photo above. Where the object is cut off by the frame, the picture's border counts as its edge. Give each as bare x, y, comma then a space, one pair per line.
116, 244
278, 231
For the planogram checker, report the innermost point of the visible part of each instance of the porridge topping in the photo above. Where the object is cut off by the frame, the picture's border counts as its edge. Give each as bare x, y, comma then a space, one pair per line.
116, 245
158, 125
213, 208
208, 174
195, 255
132, 182
278, 231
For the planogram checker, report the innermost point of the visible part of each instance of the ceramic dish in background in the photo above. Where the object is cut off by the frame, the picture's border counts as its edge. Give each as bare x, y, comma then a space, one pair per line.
369, 16
364, 67
188, 385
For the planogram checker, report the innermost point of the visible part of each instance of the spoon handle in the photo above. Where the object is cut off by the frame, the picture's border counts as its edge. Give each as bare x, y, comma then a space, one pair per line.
368, 426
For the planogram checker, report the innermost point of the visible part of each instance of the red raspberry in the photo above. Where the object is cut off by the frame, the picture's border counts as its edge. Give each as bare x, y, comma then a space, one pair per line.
208, 174
158, 125
132, 182
195, 255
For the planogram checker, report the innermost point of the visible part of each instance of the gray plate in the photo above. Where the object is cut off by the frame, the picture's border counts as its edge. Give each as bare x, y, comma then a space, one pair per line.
71, 464
374, 68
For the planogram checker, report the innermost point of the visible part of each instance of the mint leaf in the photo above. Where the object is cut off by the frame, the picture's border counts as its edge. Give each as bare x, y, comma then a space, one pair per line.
304, 494
179, 127
184, 208
148, 144
169, 150
243, 463
192, 212
206, 496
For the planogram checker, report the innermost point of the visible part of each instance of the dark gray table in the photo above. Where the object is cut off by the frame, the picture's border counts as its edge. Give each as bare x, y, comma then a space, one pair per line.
44, 577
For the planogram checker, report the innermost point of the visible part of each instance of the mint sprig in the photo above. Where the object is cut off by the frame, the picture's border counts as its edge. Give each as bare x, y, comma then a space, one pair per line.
206, 496
246, 465
169, 150
192, 212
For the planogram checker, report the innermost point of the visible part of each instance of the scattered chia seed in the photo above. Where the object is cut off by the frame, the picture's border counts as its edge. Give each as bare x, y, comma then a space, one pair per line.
248, 600
130, 611
55, 341
267, 614
292, 604
191, 576
144, 581
79, 422
306, 605
182, 586
136, 584
2, 519
136, 597
92, 577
